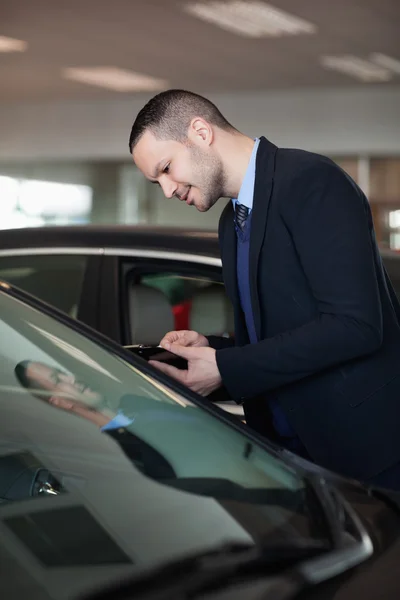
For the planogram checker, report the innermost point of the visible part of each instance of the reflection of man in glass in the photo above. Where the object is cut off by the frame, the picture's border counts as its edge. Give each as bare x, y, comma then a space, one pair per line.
65, 392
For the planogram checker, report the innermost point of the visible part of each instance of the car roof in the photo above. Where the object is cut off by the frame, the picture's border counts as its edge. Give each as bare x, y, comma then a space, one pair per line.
180, 239
113, 236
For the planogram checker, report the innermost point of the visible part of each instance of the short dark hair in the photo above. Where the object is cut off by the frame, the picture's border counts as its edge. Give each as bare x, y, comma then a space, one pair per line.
21, 373
168, 116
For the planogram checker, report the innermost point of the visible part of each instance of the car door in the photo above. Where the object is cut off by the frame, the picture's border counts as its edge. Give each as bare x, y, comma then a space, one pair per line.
153, 292
69, 281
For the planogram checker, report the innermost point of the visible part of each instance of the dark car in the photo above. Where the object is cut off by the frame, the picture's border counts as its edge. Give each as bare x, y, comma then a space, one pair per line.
131, 283
116, 482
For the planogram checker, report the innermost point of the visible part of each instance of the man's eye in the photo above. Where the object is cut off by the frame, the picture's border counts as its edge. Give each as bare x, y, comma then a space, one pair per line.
166, 168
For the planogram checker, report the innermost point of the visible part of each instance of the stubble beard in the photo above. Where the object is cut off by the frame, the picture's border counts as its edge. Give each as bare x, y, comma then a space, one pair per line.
211, 178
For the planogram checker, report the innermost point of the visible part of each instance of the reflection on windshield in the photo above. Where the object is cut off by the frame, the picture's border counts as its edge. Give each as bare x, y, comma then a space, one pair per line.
64, 392
50, 536
134, 414
161, 475
61, 390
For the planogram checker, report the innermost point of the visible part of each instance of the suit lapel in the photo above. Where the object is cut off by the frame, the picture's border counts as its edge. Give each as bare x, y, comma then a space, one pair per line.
265, 170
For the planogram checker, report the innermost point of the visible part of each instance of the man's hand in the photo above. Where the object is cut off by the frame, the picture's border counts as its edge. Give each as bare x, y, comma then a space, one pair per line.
202, 375
80, 409
184, 338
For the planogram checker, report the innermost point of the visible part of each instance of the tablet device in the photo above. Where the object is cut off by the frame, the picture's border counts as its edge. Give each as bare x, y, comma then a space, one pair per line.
158, 353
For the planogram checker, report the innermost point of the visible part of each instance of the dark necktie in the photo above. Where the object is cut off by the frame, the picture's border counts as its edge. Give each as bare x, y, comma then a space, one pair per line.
241, 214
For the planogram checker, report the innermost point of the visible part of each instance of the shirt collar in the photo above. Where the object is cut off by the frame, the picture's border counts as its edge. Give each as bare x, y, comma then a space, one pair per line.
246, 192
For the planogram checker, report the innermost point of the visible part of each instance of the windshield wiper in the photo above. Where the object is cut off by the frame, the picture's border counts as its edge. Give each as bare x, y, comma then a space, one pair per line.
199, 573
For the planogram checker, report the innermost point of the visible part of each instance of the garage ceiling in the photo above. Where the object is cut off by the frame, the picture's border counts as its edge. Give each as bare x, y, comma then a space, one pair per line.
159, 39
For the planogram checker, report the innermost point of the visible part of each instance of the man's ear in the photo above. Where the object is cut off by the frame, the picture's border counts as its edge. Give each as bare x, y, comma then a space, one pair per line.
200, 132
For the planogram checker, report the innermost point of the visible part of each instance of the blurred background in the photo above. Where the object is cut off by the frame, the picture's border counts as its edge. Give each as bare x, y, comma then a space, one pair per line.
314, 74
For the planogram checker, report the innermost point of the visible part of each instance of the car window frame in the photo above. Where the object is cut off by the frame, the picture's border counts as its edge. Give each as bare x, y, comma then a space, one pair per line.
129, 270
91, 276
112, 290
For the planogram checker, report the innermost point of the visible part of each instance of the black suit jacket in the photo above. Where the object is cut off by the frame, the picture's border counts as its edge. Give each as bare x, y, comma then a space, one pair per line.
325, 313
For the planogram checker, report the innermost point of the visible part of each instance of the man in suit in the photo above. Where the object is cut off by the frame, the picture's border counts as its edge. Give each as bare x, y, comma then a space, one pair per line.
317, 339
63, 391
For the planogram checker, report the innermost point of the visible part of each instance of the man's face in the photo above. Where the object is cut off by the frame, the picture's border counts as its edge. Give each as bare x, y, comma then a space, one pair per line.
60, 385
190, 171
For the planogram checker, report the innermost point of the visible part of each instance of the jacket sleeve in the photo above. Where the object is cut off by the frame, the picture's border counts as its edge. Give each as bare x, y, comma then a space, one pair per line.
145, 458
331, 228
217, 342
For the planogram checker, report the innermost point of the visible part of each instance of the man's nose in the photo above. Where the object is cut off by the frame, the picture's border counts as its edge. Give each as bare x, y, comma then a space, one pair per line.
169, 188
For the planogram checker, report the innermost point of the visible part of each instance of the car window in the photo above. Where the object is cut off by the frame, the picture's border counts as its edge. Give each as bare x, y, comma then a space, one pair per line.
55, 279
101, 464
197, 302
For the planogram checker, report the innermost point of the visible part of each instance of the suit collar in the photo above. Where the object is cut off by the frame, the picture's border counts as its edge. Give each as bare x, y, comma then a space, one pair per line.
246, 193
265, 171
264, 179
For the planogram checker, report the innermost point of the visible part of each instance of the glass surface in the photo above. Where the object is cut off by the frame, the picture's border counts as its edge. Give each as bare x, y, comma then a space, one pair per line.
156, 476
56, 279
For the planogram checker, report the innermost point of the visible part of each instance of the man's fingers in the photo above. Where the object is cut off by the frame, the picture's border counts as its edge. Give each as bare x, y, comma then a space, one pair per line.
61, 402
171, 337
183, 337
67, 404
188, 352
169, 370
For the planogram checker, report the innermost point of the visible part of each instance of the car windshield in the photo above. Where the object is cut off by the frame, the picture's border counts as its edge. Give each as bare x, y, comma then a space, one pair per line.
104, 470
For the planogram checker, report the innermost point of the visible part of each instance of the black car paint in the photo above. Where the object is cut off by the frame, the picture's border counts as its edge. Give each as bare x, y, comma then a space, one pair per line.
119, 236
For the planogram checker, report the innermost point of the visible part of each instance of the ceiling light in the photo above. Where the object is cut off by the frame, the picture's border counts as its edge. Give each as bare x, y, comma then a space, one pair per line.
250, 19
10, 45
393, 64
115, 79
356, 67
